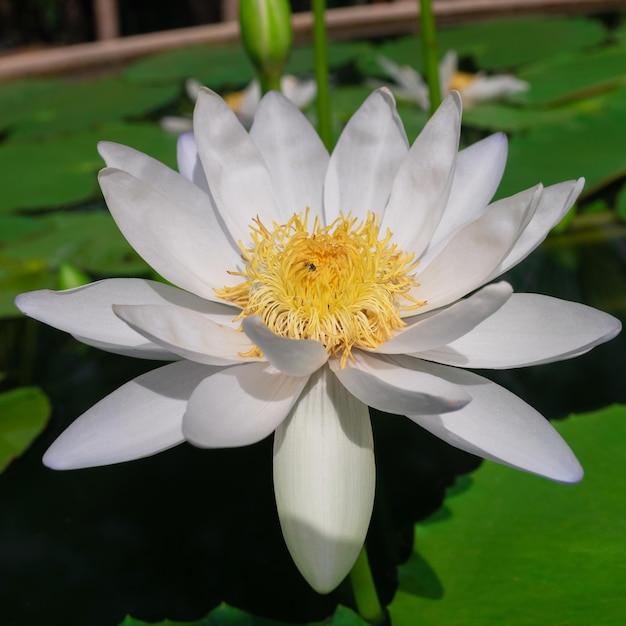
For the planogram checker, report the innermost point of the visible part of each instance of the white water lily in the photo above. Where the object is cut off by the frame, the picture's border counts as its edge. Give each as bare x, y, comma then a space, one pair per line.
245, 102
474, 88
311, 287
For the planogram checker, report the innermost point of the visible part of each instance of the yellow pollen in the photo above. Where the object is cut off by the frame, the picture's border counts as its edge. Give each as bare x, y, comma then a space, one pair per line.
339, 285
461, 80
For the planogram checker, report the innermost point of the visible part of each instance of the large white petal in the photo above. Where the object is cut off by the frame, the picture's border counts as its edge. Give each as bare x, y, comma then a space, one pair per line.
398, 385
188, 159
478, 173
186, 333
181, 242
294, 154
555, 202
141, 418
86, 312
324, 478
499, 426
239, 405
295, 357
366, 159
421, 188
174, 186
469, 258
238, 178
528, 330
440, 327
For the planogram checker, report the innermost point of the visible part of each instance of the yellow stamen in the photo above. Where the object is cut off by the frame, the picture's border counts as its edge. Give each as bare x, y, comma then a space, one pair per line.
234, 100
461, 80
339, 284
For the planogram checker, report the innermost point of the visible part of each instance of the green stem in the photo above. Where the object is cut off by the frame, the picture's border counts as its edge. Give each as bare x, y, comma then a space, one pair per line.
320, 52
429, 51
269, 83
364, 591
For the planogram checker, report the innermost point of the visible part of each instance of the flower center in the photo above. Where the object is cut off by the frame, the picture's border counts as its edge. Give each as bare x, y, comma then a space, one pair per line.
339, 285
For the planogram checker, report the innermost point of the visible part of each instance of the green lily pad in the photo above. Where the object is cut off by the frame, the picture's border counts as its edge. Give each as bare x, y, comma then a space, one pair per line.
48, 174
24, 413
340, 54
588, 145
516, 549
490, 43
14, 227
510, 119
225, 615
227, 67
620, 203
574, 77
31, 109
90, 241
214, 66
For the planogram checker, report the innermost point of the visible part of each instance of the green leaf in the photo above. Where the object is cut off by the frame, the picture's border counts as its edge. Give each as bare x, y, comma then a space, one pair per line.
51, 108
510, 119
588, 145
536, 39
23, 414
489, 44
225, 615
620, 203
520, 550
14, 227
90, 241
340, 54
48, 174
213, 66
574, 77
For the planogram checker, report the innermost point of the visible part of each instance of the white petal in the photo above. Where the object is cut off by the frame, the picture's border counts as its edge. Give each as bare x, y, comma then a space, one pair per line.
397, 385
366, 159
410, 85
177, 188
141, 418
528, 330
448, 67
300, 91
186, 333
478, 173
324, 478
499, 426
189, 164
468, 260
295, 357
421, 188
238, 177
86, 312
443, 326
555, 202
179, 241
239, 405
486, 88
294, 154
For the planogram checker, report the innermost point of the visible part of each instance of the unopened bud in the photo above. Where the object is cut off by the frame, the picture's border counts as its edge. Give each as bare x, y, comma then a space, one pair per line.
267, 36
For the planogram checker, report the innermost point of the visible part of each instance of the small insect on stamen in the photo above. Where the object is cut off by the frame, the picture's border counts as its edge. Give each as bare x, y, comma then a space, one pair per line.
354, 300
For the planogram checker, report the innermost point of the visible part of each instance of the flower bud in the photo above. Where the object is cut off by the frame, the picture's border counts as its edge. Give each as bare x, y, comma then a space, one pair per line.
267, 36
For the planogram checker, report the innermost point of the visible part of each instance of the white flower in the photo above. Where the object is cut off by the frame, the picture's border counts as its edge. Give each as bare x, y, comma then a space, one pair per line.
474, 88
336, 312
244, 103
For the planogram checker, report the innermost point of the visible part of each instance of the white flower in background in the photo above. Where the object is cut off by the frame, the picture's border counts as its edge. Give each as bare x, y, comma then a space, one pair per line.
312, 286
474, 88
244, 103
